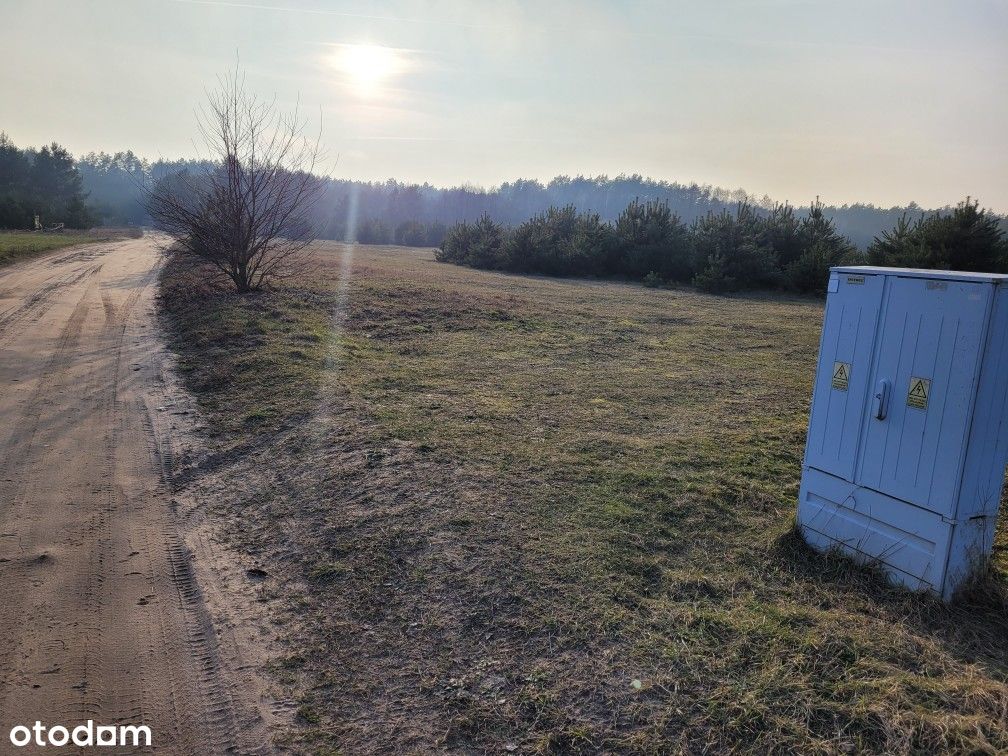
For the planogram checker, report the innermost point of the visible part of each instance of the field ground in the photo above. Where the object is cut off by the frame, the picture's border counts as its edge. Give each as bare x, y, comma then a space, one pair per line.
17, 245
495, 513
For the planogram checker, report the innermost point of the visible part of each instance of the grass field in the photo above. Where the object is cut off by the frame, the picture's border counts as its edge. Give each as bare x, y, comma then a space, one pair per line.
17, 245
499, 513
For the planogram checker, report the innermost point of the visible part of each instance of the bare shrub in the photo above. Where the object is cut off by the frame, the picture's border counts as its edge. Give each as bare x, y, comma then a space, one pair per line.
248, 213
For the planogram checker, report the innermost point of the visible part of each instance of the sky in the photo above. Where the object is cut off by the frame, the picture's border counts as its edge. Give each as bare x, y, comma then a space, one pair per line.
881, 102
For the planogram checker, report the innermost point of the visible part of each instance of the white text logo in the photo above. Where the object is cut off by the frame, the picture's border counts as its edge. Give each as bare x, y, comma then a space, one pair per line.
87, 734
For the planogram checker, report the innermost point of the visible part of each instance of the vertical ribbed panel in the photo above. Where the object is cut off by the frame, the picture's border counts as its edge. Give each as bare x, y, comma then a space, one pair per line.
848, 336
931, 334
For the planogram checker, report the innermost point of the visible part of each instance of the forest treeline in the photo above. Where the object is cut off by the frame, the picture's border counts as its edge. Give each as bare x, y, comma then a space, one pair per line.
723, 251
105, 189
43, 183
395, 212
98, 189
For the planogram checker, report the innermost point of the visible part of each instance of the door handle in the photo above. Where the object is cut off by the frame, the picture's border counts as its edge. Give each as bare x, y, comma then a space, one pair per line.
881, 400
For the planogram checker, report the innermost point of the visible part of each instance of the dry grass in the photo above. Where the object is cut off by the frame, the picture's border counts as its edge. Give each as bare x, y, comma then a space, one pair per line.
513, 513
17, 245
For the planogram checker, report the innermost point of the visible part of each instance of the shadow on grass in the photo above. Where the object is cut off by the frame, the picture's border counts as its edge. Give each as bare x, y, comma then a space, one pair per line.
972, 627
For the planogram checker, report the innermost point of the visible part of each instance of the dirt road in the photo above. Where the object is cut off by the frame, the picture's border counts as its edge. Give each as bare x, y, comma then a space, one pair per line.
101, 616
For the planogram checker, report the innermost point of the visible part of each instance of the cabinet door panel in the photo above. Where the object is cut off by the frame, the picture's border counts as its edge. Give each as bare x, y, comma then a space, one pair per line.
929, 345
842, 377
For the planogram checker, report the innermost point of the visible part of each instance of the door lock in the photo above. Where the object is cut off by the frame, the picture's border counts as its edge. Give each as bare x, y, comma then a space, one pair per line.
881, 400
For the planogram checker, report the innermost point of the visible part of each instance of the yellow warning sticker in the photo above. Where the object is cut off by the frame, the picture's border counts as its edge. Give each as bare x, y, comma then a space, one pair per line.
841, 375
920, 389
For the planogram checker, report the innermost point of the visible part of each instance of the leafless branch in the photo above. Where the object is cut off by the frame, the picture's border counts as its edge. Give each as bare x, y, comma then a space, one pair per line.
249, 215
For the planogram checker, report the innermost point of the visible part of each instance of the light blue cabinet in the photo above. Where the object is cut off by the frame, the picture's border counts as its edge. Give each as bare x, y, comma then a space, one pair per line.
908, 439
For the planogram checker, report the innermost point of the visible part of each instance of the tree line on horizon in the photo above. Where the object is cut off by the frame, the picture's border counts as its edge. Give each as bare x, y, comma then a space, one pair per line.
43, 183
106, 189
724, 251
96, 190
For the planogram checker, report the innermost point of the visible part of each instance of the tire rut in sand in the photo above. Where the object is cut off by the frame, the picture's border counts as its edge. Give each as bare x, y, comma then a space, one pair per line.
38, 302
101, 614
32, 557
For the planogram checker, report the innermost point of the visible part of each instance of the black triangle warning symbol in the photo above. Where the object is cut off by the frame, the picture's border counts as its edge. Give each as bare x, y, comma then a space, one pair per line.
919, 390
841, 372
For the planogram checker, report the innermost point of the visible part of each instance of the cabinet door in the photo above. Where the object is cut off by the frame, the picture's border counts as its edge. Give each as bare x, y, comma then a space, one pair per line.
929, 347
842, 377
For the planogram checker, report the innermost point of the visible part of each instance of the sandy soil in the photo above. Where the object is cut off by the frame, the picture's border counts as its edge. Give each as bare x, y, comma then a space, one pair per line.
116, 604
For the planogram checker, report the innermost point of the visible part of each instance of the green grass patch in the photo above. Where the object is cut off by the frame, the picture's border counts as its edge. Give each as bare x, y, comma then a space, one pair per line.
18, 245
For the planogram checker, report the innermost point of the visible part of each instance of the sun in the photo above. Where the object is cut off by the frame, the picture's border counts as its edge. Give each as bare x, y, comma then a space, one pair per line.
368, 67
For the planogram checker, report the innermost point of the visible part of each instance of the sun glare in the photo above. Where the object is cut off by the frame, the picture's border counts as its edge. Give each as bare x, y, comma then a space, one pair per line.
368, 67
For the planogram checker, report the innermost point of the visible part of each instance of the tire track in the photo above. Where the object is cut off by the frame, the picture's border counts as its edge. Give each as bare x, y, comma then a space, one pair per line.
37, 303
22, 560
101, 613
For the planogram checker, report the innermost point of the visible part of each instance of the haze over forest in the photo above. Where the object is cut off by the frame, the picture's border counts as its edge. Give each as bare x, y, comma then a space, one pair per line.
106, 189
373, 211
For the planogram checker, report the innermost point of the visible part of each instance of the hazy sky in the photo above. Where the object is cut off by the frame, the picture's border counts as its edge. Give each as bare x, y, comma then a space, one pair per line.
884, 102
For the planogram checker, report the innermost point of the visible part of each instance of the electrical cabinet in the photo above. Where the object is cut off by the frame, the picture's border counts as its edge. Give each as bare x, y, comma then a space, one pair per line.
908, 436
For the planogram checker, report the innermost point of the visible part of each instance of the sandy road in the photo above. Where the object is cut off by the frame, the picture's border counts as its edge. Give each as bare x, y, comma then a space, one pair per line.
101, 616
